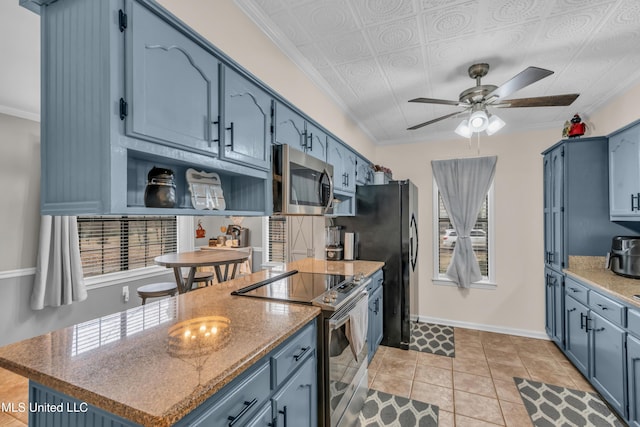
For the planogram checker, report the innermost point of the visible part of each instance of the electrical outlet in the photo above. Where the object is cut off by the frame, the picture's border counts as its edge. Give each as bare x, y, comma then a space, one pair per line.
125, 293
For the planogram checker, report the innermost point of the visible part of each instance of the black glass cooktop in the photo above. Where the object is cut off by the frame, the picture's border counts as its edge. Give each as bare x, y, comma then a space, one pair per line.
296, 287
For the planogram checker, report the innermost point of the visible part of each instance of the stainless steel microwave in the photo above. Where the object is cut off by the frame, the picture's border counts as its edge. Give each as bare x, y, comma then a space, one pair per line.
302, 184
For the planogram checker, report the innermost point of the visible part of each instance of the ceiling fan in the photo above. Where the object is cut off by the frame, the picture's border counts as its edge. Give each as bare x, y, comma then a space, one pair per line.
476, 100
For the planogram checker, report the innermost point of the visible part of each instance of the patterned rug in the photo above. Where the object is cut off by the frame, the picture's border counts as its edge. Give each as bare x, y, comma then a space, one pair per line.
383, 409
550, 406
432, 338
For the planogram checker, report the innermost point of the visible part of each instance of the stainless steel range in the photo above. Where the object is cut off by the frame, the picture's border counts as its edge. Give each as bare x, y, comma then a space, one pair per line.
342, 373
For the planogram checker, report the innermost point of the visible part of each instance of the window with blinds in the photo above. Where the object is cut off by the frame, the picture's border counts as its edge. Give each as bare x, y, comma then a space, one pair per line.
109, 244
277, 238
479, 238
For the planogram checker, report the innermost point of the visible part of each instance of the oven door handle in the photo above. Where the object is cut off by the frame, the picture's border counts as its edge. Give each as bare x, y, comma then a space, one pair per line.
337, 323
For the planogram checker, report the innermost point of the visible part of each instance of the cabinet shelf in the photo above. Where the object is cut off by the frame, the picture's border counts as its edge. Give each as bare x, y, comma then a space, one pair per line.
244, 195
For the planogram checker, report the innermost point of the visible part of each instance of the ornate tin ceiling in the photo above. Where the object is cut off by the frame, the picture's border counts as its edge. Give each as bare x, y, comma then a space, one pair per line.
372, 56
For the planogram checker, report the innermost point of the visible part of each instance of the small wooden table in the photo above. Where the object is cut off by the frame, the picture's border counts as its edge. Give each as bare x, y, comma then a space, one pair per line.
195, 259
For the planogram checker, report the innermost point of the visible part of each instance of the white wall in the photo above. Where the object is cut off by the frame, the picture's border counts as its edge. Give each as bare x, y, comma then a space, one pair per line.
517, 305
19, 204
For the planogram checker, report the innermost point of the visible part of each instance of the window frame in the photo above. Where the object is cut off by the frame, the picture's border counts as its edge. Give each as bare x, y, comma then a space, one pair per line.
488, 282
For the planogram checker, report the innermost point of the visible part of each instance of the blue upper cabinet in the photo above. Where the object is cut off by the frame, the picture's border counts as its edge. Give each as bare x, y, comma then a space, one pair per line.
364, 172
624, 174
172, 88
289, 127
344, 166
316, 142
293, 129
246, 137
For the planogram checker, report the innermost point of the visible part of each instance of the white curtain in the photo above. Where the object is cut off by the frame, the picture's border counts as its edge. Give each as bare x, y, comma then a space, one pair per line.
59, 278
463, 185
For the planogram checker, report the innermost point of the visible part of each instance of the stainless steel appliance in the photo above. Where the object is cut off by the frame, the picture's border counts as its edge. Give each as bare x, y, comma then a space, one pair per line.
342, 377
386, 222
302, 184
624, 258
333, 249
238, 233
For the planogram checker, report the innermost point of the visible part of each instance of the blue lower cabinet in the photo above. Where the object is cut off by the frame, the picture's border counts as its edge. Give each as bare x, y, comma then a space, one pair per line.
296, 403
608, 361
239, 404
576, 335
633, 380
374, 332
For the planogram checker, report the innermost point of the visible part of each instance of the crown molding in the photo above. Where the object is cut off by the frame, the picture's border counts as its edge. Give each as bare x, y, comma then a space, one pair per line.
290, 51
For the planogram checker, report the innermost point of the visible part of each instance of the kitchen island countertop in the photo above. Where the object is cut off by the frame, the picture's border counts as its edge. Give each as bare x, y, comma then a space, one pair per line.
137, 369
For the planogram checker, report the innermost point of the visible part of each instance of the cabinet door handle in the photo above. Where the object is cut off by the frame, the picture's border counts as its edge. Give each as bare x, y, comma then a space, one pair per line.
635, 202
310, 146
217, 133
247, 406
582, 317
602, 307
298, 356
599, 329
574, 290
586, 324
230, 129
572, 310
284, 413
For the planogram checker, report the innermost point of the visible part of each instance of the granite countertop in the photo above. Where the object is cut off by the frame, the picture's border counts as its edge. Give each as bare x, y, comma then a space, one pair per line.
591, 270
349, 268
141, 368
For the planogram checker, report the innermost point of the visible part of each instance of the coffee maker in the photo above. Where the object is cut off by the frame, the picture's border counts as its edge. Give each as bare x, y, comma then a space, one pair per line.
238, 233
334, 250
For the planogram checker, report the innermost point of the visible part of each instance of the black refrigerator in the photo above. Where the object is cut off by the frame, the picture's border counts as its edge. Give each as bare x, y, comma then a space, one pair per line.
386, 227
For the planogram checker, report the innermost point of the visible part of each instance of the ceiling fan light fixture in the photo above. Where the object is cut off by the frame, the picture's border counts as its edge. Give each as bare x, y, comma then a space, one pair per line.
478, 121
495, 124
463, 129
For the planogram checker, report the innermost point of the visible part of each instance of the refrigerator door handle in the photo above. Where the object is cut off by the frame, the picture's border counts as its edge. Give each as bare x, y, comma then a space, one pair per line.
414, 255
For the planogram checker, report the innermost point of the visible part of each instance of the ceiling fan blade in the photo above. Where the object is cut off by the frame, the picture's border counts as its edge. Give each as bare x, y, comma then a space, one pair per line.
434, 120
525, 78
540, 101
435, 101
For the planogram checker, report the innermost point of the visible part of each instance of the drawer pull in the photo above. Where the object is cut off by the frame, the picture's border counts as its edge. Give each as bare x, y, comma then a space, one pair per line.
602, 307
571, 310
599, 329
298, 356
247, 406
574, 290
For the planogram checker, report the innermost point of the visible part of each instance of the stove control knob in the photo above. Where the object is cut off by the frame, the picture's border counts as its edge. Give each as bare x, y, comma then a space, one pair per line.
334, 295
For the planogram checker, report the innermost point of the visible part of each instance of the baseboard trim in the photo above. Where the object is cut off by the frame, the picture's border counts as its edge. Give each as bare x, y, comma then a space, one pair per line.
22, 272
482, 327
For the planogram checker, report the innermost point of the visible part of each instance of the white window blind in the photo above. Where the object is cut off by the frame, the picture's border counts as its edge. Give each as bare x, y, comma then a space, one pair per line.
109, 244
277, 239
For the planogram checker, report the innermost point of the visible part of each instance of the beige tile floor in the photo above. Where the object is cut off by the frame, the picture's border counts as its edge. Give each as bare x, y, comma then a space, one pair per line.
475, 388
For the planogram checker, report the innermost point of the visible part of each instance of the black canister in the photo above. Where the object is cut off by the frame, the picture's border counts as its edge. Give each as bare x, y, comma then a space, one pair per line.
161, 189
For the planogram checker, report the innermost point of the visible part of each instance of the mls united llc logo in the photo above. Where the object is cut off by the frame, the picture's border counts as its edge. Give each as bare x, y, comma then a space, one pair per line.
67, 407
